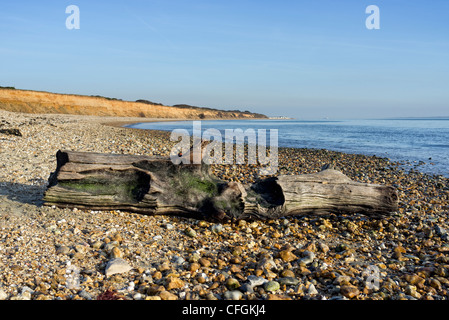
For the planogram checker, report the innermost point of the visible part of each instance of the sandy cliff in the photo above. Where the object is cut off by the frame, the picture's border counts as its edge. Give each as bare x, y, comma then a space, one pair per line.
44, 102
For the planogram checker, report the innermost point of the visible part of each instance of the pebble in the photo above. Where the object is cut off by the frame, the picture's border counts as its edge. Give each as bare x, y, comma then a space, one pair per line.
116, 253
271, 286
311, 290
349, 291
3, 295
86, 295
190, 232
115, 266
289, 281
246, 288
308, 258
63, 250
194, 266
174, 283
177, 260
204, 262
255, 281
287, 256
232, 283
233, 295
217, 228
165, 295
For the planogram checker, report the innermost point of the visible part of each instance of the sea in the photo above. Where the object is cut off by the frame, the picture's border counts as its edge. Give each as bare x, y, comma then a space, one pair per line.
418, 144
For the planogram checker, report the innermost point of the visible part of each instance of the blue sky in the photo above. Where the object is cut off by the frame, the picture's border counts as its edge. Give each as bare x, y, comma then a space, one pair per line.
305, 59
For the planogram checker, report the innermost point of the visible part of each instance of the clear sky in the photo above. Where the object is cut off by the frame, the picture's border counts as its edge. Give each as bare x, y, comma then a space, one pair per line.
305, 59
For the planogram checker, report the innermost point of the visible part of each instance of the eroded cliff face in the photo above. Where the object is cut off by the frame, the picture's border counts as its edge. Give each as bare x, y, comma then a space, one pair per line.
44, 102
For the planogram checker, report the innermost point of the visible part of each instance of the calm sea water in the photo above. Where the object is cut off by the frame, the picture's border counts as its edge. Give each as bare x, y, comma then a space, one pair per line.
422, 144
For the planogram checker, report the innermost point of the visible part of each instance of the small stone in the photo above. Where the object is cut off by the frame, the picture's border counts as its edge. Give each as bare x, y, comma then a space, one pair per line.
349, 291
246, 288
165, 295
289, 281
137, 296
232, 284
110, 245
194, 266
214, 285
304, 271
153, 298
287, 273
434, 283
190, 232
85, 295
116, 253
398, 251
164, 266
233, 295
97, 244
211, 296
256, 281
312, 290
342, 280
323, 247
308, 258
201, 279
174, 283
80, 248
63, 250
177, 260
237, 251
216, 228
341, 247
117, 237
411, 291
3, 295
266, 263
287, 256
271, 286
194, 257
235, 269
117, 265
204, 262
278, 297
236, 260
202, 224
415, 280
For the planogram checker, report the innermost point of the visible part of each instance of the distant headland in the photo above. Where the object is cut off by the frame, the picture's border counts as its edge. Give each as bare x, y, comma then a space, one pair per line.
28, 101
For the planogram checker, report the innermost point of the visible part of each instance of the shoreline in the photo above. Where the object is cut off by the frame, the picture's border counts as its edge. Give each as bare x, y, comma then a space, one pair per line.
38, 244
404, 163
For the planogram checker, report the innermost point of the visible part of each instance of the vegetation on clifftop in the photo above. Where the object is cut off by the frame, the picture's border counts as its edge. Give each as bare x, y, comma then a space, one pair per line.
28, 101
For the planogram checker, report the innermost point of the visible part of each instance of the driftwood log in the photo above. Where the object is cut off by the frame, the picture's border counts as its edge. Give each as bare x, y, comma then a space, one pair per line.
156, 186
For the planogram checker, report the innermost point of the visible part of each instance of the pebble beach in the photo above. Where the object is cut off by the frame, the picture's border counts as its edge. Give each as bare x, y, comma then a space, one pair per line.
47, 253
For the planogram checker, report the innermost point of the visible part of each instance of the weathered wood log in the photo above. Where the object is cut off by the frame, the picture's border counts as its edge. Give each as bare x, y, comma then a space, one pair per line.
155, 186
318, 193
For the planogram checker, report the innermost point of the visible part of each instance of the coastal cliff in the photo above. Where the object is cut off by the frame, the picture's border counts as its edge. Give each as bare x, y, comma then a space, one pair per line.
28, 101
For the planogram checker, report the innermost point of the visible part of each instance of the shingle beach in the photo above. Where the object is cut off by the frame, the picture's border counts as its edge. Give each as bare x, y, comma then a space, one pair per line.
48, 253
